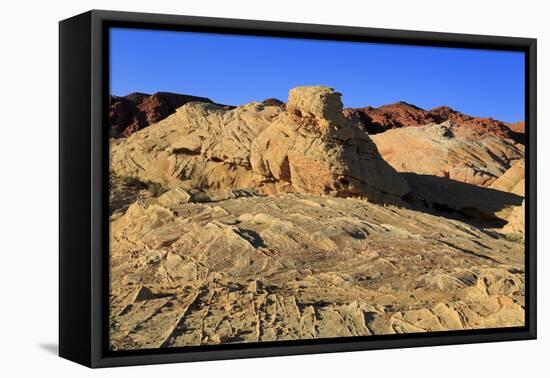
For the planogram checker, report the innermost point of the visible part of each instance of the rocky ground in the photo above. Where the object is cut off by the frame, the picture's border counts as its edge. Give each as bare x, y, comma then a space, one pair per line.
276, 221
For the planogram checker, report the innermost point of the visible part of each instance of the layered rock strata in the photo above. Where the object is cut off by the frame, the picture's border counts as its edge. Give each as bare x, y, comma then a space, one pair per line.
308, 148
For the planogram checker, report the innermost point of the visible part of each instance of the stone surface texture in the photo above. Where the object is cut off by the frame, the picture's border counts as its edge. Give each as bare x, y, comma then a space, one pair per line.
277, 221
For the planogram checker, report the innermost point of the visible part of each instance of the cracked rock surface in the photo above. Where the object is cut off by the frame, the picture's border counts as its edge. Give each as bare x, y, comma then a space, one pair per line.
309, 148
268, 222
449, 150
295, 266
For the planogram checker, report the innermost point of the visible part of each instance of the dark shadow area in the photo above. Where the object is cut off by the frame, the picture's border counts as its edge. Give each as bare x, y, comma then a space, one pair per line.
359, 235
51, 348
252, 237
479, 206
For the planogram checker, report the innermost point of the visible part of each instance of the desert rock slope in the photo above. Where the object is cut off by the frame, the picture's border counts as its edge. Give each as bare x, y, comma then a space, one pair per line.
273, 221
130, 113
449, 150
309, 148
402, 114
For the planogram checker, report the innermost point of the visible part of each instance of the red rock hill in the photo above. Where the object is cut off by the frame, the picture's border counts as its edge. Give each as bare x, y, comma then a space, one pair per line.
518, 127
135, 111
402, 114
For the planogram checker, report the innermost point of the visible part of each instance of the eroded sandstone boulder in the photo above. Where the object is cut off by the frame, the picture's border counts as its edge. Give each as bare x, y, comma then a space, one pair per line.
200, 146
310, 148
318, 102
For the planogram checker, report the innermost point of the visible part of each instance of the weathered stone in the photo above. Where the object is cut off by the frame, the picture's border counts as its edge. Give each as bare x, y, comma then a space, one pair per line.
299, 266
513, 180
175, 198
402, 114
228, 226
310, 148
449, 151
516, 222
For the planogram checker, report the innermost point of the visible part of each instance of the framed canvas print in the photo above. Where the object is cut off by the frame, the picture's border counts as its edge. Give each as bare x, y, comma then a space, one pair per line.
233, 188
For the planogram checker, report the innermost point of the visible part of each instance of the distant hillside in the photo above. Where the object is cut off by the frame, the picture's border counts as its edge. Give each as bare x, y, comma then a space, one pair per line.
135, 111
518, 127
402, 114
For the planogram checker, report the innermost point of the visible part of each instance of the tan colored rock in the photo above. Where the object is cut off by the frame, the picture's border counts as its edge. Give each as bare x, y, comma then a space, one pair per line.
516, 221
222, 231
300, 266
323, 155
513, 180
318, 102
446, 150
494, 203
309, 148
175, 197
201, 145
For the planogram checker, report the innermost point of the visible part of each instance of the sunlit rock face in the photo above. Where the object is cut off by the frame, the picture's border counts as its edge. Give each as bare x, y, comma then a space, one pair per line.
272, 221
309, 148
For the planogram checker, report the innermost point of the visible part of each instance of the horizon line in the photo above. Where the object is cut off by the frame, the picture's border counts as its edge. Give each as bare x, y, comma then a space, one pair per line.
345, 107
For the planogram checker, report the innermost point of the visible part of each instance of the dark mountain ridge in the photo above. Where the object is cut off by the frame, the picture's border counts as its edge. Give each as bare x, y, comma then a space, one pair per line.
133, 112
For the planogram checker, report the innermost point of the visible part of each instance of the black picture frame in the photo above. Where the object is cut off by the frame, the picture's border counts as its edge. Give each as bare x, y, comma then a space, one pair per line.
83, 181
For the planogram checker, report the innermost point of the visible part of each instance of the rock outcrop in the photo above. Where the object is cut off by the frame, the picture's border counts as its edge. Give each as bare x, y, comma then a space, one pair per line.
250, 224
300, 266
402, 114
513, 180
449, 150
516, 223
135, 111
308, 148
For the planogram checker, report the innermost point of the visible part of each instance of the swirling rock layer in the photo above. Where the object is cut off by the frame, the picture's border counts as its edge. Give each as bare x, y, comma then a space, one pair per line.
450, 151
309, 148
296, 266
273, 221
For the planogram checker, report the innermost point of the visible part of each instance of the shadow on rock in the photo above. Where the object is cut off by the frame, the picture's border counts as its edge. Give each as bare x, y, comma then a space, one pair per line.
458, 200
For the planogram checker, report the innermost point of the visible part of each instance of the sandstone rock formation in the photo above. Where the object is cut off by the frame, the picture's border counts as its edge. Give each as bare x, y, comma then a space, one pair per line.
513, 180
447, 165
402, 114
135, 111
449, 150
516, 222
272, 221
300, 266
309, 148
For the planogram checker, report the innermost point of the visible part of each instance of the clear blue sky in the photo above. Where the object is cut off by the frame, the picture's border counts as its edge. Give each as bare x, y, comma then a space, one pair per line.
238, 69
